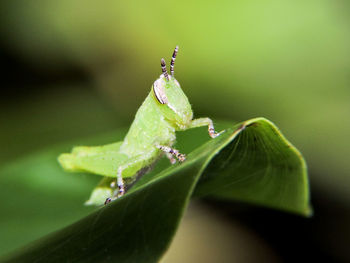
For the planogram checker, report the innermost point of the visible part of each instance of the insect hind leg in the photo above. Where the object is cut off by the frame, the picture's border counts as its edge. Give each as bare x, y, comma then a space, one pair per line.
121, 187
134, 161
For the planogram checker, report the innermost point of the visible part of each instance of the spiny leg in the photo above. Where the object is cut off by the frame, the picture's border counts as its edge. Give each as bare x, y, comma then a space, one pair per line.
203, 122
181, 157
171, 158
120, 182
121, 187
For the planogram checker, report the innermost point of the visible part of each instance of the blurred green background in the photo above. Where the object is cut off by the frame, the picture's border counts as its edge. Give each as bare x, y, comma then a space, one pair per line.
74, 69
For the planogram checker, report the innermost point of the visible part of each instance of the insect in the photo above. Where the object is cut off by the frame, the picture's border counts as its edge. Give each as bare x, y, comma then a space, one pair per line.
165, 110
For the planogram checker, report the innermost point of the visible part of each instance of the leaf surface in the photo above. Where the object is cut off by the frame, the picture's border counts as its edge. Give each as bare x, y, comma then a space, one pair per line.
251, 162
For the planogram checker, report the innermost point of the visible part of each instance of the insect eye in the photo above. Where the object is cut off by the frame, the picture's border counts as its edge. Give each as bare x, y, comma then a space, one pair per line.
159, 91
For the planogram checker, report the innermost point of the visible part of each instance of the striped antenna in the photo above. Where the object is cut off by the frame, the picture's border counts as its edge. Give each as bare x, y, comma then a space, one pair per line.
173, 61
165, 72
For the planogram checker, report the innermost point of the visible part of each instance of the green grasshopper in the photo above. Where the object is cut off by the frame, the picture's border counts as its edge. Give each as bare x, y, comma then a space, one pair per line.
152, 133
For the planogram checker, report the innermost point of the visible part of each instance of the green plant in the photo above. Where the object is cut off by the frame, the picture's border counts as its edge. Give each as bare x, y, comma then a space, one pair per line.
251, 162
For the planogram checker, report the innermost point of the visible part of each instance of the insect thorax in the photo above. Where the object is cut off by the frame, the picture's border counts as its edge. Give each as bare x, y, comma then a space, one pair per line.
148, 129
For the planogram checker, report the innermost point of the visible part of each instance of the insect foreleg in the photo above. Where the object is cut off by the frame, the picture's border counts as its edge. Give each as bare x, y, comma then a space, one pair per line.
203, 122
181, 157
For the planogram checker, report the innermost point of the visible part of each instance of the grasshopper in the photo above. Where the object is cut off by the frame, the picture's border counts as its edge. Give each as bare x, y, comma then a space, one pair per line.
165, 110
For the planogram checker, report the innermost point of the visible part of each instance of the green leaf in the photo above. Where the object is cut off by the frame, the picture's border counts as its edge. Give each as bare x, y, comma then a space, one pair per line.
250, 162
258, 166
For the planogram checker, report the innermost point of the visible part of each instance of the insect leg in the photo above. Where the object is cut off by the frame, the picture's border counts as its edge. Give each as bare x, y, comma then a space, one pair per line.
120, 182
171, 158
121, 187
203, 122
181, 157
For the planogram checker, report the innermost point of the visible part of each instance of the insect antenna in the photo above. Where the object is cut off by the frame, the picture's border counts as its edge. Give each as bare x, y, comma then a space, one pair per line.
173, 61
165, 72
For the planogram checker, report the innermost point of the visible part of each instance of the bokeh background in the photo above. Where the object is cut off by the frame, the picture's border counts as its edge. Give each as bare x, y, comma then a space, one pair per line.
74, 69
